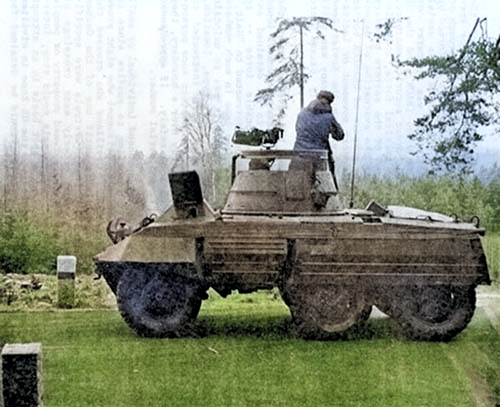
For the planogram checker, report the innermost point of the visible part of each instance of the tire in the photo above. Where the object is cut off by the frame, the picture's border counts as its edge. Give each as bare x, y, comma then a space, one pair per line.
365, 315
159, 300
324, 312
436, 313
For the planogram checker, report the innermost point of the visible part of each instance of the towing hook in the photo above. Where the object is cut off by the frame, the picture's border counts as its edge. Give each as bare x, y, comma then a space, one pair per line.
148, 220
97, 272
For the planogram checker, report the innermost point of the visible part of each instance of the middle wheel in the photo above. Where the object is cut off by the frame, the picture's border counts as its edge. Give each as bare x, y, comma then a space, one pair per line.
318, 311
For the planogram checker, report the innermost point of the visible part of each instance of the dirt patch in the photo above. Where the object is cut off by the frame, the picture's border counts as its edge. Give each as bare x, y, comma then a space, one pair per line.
39, 292
480, 390
488, 298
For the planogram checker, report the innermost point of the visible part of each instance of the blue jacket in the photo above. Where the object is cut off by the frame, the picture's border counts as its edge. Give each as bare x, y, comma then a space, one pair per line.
314, 124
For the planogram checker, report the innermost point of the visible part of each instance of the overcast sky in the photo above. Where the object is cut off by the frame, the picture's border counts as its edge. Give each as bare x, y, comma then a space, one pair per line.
118, 74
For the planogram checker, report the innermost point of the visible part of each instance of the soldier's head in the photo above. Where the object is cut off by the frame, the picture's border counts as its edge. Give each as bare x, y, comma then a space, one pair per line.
325, 97
322, 103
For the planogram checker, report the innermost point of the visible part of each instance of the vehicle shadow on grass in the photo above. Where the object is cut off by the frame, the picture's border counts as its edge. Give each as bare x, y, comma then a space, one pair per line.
282, 327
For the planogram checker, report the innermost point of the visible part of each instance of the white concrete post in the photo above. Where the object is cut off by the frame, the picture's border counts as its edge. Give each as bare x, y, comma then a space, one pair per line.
66, 272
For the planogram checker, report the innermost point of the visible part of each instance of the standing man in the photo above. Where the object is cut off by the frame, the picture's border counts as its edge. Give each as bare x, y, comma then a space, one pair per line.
315, 123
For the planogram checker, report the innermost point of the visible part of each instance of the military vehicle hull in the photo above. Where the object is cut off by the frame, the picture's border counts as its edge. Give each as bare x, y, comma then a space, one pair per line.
330, 265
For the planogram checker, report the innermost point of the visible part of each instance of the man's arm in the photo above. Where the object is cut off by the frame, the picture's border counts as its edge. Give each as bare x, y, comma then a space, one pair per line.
336, 130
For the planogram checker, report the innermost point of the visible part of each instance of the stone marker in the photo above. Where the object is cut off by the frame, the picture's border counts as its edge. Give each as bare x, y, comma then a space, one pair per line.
22, 383
66, 272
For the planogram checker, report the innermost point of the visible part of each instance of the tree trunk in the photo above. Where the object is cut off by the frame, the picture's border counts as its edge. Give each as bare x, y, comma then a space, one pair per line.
301, 79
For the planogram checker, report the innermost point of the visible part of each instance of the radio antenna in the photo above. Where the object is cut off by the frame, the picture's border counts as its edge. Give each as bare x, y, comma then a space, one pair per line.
351, 203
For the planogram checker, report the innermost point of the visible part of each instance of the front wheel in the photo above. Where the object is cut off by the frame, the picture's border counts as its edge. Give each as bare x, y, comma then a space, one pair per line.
435, 313
159, 300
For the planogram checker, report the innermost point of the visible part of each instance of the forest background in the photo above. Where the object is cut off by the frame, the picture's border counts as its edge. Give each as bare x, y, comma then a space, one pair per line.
104, 99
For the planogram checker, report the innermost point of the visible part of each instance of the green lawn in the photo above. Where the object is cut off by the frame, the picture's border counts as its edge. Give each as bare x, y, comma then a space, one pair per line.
243, 355
491, 246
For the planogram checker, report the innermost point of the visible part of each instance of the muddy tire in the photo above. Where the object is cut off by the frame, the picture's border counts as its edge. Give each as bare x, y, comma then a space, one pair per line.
159, 300
365, 315
435, 313
324, 312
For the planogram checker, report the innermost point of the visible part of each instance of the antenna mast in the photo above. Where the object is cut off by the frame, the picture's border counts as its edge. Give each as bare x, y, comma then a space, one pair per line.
351, 203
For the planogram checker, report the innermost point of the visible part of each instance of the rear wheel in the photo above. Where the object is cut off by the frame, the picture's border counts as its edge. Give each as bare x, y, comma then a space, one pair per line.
159, 300
318, 312
434, 313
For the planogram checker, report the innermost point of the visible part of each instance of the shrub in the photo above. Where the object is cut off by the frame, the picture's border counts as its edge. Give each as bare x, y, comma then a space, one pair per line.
26, 246
463, 197
493, 201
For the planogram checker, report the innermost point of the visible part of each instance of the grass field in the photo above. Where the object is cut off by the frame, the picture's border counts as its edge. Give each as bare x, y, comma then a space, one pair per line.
244, 355
491, 245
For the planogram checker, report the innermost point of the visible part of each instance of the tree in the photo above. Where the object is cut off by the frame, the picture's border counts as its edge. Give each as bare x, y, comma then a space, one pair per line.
202, 144
385, 29
464, 107
288, 52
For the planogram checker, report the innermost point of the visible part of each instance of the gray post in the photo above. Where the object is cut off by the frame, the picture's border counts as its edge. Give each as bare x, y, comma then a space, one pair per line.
22, 383
66, 271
